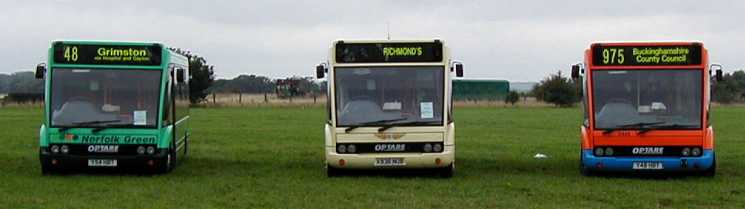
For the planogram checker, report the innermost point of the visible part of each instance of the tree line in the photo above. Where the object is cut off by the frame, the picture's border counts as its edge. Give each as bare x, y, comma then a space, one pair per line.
563, 91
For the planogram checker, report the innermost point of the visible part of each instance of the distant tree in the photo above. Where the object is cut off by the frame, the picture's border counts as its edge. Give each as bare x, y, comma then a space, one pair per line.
202, 77
4, 82
23, 82
730, 88
512, 98
558, 90
296, 86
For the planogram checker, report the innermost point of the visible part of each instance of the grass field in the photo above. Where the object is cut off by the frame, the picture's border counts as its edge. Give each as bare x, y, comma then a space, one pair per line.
273, 158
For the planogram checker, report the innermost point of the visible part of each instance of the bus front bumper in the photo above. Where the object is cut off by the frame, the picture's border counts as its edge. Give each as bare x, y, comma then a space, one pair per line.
70, 162
672, 164
373, 160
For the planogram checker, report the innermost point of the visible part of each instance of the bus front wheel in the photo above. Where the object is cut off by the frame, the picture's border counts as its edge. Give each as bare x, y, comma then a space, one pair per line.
447, 172
582, 168
332, 172
711, 171
47, 169
169, 161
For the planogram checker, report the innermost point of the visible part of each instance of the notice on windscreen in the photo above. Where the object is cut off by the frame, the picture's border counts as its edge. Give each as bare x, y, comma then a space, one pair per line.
140, 117
426, 110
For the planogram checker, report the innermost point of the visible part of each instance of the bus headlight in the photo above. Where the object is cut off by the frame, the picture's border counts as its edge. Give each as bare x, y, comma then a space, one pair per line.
599, 151
437, 148
141, 150
150, 150
64, 149
427, 148
351, 148
686, 151
55, 149
696, 151
608, 151
341, 149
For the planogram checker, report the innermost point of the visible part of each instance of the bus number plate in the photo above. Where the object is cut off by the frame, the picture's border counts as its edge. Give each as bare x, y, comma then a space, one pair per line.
647, 166
386, 162
101, 163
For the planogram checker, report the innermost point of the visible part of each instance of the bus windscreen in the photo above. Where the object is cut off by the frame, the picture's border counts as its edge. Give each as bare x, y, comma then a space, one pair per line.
80, 97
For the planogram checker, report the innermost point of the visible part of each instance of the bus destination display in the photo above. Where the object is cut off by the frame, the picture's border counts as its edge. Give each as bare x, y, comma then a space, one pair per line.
388, 52
107, 54
646, 55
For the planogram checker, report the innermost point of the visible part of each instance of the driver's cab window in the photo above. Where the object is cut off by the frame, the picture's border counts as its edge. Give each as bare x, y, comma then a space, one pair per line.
367, 95
90, 97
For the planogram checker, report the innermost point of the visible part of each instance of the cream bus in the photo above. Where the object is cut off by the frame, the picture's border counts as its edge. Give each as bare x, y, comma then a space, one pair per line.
389, 105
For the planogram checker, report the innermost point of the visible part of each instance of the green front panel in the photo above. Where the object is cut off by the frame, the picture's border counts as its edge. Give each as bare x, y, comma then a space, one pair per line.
133, 136
488, 90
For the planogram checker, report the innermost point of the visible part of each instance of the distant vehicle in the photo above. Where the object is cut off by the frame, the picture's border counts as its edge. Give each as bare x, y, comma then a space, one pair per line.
113, 104
646, 107
389, 105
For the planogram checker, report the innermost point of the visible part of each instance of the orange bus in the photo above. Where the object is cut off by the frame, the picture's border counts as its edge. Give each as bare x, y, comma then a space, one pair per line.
646, 107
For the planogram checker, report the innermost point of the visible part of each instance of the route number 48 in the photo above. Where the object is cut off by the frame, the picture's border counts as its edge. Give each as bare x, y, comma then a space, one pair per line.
613, 56
71, 53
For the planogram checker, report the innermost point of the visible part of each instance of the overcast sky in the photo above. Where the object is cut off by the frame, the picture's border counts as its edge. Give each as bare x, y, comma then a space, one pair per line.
516, 40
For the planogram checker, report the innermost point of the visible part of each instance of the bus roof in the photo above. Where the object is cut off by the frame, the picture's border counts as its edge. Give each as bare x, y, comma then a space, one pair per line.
647, 43
108, 42
386, 41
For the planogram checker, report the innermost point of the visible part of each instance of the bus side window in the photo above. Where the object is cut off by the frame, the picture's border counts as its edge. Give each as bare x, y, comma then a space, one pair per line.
586, 119
168, 100
182, 96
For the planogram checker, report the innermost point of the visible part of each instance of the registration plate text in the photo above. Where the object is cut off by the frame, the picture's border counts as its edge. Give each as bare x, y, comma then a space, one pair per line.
102, 163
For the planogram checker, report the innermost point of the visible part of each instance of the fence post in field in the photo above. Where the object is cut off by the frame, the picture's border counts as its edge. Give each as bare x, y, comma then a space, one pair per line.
214, 102
240, 98
314, 98
266, 99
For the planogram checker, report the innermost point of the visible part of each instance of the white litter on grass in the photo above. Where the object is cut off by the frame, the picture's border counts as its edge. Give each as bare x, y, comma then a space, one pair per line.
540, 156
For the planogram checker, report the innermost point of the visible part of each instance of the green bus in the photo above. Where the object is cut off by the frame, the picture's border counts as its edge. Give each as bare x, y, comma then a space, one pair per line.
110, 105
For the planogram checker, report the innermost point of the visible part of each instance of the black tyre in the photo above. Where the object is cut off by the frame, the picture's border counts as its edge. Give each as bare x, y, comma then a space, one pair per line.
584, 170
332, 172
186, 146
46, 169
169, 162
447, 172
711, 171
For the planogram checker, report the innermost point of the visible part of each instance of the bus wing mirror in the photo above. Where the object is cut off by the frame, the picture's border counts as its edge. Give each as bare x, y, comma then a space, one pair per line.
180, 75
717, 68
458, 70
575, 71
40, 70
320, 71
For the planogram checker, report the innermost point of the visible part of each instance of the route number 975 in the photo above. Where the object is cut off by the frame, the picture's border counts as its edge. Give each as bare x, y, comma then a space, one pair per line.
613, 56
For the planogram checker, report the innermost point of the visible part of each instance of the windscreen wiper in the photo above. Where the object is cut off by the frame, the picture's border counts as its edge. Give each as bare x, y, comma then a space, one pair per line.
668, 126
410, 123
355, 126
639, 125
101, 128
86, 123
